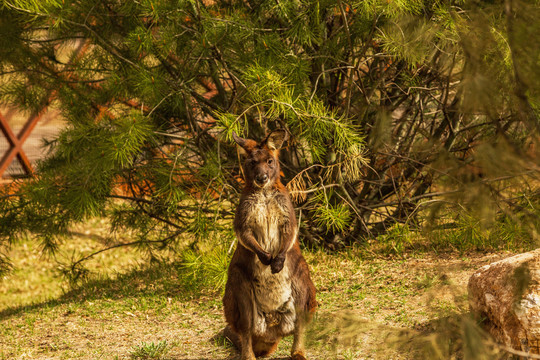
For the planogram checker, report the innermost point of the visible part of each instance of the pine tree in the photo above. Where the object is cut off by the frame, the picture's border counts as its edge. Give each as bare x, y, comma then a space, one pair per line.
384, 101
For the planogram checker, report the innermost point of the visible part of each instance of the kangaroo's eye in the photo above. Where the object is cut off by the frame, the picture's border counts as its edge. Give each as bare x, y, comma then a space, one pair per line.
270, 161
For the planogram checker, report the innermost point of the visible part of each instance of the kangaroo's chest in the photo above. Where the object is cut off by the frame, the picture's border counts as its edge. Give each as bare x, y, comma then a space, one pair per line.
266, 215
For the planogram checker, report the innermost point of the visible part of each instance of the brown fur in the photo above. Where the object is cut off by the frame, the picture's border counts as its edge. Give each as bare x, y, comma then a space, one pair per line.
269, 292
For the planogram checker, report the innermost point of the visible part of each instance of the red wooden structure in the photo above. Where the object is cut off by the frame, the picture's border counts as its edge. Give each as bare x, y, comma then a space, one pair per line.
15, 142
14, 149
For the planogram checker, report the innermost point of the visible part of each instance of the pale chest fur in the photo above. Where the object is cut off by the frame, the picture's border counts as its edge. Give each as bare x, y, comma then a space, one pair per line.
266, 213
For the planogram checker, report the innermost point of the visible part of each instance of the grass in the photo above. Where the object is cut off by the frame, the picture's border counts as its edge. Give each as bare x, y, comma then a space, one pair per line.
132, 309
150, 351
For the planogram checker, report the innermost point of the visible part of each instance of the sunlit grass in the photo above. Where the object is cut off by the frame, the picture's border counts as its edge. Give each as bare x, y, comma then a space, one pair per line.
127, 301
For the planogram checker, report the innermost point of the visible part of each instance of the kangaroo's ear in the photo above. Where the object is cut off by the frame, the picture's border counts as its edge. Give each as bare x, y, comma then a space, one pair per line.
246, 144
276, 138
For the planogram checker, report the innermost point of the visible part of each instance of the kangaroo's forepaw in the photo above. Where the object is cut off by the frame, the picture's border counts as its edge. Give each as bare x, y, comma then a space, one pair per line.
298, 356
277, 264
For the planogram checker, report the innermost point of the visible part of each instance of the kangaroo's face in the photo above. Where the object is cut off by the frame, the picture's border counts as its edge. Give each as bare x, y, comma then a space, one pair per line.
261, 167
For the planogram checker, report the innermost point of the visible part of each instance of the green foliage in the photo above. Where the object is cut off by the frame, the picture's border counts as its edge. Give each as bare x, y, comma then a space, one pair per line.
397, 106
5, 264
208, 266
518, 231
396, 240
150, 351
333, 217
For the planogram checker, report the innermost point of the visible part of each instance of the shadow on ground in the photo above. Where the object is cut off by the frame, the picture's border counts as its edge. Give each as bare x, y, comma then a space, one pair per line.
155, 280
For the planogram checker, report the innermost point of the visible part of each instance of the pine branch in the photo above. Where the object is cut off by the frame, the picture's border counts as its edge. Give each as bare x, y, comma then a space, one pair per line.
74, 265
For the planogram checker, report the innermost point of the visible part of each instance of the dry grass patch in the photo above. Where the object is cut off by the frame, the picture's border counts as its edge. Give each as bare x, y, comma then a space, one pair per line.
125, 306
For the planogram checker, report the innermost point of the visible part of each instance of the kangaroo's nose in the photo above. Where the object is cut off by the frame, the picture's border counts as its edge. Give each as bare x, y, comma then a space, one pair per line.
262, 178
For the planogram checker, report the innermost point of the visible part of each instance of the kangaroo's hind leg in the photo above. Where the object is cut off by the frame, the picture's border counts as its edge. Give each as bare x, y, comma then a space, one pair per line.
239, 309
232, 336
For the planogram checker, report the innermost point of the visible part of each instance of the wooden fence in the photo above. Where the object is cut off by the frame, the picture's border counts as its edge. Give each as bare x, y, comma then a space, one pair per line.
23, 134
22, 140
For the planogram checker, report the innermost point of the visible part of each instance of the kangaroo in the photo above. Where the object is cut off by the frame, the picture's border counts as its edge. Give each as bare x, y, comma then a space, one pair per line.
269, 293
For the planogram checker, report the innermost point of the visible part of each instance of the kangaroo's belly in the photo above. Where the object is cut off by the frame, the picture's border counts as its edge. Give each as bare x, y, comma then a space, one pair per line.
271, 290
273, 301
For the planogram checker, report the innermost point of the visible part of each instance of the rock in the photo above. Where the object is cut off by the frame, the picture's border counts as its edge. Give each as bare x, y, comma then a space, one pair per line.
505, 295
